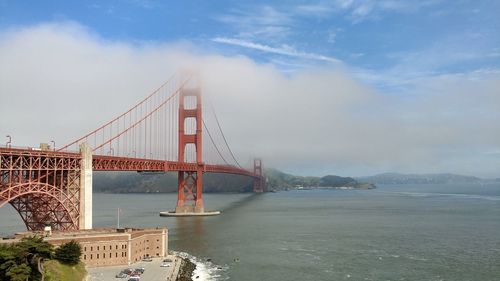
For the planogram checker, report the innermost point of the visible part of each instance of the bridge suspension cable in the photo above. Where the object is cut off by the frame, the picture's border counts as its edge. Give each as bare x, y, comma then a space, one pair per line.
122, 115
147, 130
213, 143
150, 129
222, 133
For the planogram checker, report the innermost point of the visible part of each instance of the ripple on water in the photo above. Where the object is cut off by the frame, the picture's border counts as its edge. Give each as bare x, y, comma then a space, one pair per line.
455, 195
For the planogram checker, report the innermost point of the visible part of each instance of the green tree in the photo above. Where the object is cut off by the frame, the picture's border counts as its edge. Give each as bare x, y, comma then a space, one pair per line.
7, 260
19, 272
34, 246
21, 260
33, 250
69, 253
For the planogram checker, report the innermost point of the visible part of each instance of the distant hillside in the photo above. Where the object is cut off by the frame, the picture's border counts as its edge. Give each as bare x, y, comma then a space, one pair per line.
278, 180
131, 182
395, 178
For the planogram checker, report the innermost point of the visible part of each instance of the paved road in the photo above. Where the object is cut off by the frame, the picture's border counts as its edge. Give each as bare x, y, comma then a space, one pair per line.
152, 272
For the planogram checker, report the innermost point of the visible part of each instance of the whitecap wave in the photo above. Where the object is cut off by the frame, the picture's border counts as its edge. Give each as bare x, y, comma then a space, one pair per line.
205, 270
416, 258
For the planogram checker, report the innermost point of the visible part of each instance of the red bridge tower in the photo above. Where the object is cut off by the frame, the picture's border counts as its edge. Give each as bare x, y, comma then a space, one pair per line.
190, 183
259, 184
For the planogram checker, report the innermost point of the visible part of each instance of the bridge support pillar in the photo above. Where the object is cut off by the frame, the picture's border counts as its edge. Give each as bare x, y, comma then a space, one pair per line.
259, 184
198, 205
189, 192
190, 183
85, 221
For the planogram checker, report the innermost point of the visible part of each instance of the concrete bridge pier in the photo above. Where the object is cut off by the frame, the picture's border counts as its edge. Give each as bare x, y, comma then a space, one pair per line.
85, 221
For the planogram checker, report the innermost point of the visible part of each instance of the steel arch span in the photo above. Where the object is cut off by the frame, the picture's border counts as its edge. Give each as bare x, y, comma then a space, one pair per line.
42, 187
39, 207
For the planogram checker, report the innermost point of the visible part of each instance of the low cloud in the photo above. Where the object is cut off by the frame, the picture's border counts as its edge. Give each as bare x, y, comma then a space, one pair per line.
59, 81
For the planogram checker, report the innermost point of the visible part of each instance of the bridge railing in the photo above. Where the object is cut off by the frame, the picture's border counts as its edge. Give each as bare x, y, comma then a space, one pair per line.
31, 148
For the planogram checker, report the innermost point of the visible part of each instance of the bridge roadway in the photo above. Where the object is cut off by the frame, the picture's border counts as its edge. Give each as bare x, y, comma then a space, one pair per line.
27, 157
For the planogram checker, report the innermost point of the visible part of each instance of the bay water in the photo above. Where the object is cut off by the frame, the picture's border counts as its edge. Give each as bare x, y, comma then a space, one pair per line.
395, 232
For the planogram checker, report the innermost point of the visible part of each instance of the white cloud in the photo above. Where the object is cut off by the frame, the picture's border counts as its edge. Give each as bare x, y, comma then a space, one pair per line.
332, 34
262, 15
284, 50
146, 4
460, 55
58, 81
316, 9
360, 10
264, 22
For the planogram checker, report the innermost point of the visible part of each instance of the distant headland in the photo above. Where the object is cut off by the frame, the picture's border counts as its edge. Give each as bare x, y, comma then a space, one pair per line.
440, 178
167, 182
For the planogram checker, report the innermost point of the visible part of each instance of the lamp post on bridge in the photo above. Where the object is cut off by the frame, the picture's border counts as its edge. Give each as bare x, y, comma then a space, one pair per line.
53, 144
9, 142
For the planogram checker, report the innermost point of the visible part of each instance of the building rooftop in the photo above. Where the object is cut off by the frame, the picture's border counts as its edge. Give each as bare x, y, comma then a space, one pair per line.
88, 232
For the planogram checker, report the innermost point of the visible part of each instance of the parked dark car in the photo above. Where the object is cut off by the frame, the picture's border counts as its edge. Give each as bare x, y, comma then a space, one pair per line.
128, 271
121, 275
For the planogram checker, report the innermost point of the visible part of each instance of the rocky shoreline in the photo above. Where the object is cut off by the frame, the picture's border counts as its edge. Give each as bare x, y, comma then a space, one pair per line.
186, 270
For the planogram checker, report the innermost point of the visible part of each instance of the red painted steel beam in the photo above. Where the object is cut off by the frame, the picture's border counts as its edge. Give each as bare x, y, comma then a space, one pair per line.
111, 163
43, 186
36, 152
114, 163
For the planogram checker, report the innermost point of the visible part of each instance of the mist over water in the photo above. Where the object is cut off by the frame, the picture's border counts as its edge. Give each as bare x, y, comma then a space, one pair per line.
411, 232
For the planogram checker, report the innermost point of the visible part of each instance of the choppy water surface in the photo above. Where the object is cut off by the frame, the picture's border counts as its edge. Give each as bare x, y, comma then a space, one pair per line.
420, 232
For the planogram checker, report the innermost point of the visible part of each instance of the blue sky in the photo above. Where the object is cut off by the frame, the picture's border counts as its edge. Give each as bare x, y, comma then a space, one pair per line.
419, 37
342, 87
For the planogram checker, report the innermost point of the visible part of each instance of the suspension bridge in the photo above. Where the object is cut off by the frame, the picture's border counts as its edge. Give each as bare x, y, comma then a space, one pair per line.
165, 132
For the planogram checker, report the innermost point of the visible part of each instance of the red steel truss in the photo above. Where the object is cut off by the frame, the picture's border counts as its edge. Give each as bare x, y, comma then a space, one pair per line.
111, 163
42, 186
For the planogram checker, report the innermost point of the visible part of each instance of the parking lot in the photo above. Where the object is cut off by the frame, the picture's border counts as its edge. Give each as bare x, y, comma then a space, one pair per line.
153, 271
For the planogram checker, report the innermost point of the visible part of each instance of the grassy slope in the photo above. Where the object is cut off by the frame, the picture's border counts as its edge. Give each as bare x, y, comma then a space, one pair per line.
55, 271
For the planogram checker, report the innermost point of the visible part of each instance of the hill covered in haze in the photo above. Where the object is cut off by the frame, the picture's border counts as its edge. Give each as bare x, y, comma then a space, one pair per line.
279, 180
132, 182
396, 178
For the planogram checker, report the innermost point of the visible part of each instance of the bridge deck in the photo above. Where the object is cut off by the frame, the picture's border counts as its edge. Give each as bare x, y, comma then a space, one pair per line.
113, 163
